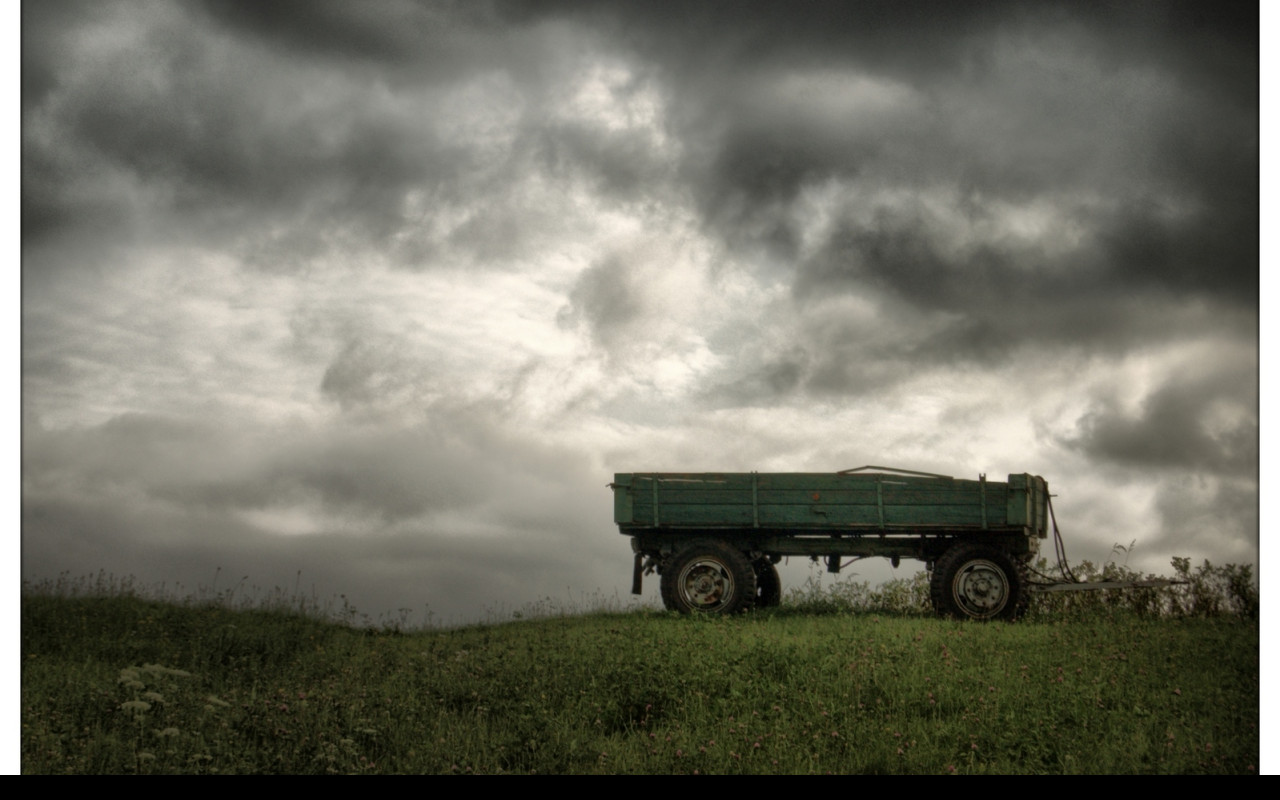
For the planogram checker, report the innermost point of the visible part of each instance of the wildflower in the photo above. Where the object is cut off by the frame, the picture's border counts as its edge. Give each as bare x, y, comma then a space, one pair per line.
145, 756
135, 705
154, 697
167, 732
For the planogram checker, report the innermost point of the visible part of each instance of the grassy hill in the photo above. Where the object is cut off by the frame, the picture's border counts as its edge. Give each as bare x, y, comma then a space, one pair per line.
126, 685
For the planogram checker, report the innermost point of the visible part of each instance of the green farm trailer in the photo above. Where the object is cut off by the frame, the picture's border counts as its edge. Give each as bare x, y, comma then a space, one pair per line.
715, 538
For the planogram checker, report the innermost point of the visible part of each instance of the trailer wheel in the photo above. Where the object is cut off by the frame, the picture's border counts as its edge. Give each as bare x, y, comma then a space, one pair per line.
972, 582
768, 585
711, 577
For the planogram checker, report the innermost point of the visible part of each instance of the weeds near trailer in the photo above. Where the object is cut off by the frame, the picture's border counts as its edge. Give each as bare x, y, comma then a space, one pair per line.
1207, 591
900, 596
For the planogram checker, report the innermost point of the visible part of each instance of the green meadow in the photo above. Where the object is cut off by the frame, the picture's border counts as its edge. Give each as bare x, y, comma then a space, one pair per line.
830, 682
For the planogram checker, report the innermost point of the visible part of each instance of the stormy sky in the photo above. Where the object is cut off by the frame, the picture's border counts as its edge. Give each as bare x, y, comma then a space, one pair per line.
373, 299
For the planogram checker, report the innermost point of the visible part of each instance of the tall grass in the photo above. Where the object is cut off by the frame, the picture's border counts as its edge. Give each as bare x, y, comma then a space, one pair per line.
125, 684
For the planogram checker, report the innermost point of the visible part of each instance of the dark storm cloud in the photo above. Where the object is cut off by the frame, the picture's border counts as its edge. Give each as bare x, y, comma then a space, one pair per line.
232, 136
765, 102
1124, 287
718, 56
1207, 421
387, 31
313, 129
1131, 128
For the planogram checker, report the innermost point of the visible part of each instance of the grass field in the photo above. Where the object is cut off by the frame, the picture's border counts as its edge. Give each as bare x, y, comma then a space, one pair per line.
127, 685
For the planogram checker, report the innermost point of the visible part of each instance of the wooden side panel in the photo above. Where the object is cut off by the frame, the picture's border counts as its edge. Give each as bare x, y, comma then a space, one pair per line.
819, 500
623, 503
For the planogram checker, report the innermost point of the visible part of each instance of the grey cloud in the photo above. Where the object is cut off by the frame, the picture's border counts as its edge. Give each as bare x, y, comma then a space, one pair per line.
1122, 285
341, 141
456, 459
1176, 428
388, 31
620, 164
939, 186
1206, 516
392, 32
1116, 100
606, 299
458, 512
762, 378
897, 253
449, 576
367, 373
233, 138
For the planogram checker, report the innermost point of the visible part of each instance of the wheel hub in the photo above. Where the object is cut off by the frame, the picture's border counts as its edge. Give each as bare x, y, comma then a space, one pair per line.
981, 588
706, 584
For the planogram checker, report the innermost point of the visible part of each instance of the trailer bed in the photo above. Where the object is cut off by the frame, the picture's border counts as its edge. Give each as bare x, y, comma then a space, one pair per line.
826, 503
715, 537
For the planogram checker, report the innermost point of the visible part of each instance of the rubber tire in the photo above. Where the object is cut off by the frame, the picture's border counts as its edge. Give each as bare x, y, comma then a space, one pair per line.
978, 583
768, 585
708, 577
